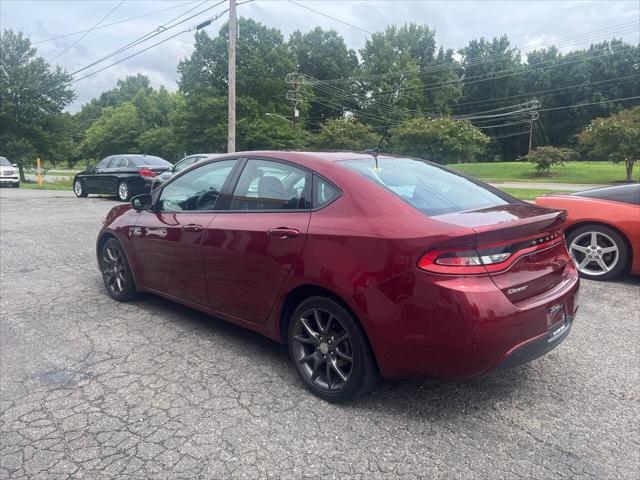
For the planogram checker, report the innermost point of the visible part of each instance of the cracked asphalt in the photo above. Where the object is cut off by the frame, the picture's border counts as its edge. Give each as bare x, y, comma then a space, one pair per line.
90, 388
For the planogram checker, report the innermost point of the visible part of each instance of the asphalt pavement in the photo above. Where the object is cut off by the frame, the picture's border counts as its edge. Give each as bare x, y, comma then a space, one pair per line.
90, 388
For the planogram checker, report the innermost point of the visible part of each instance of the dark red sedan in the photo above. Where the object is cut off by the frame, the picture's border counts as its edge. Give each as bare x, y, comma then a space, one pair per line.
394, 266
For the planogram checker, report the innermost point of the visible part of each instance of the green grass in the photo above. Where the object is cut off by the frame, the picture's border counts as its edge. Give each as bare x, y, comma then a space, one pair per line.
571, 172
529, 193
62, 185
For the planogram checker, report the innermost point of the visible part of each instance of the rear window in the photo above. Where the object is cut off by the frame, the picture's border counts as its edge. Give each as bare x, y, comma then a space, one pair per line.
149, 160
428, 188
620, 193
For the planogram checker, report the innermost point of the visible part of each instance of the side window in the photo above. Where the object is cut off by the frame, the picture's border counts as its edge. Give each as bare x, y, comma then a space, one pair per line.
104, 163
267, 185
119, 162
196, 190
187, 162
323, 192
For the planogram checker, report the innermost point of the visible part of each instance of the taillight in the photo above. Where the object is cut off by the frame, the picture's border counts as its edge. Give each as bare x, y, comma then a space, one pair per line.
485, 258
145, 172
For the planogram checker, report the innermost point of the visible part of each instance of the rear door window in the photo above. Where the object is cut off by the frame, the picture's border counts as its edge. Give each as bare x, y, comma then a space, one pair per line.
269, 185
430, 189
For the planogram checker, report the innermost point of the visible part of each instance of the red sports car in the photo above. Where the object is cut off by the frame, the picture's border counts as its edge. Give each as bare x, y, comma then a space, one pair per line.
602, 229
362, 265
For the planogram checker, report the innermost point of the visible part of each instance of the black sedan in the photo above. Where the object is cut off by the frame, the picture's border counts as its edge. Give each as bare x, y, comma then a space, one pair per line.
122, 175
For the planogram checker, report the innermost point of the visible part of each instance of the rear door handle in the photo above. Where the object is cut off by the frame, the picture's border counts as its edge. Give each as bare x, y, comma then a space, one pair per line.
283, 232
192, 227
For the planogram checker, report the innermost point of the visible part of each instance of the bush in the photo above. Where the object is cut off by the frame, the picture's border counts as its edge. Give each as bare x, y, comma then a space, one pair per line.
543, 158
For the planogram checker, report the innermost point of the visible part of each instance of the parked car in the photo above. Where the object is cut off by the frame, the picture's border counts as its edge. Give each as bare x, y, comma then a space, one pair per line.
602, 229
122, 175
396, 266
9, 173
179, 166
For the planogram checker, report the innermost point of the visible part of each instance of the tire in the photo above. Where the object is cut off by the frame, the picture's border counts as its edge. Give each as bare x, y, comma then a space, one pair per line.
124, 192
78, 188
315, 358
607, 260
16, 185
116, 272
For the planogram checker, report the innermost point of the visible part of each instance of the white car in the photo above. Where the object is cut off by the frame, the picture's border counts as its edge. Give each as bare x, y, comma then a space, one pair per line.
9, 173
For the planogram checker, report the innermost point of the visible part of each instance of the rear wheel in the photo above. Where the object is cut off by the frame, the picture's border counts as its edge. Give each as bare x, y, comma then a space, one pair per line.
123, 191
78, 188
600, 252
116, 272
329, 350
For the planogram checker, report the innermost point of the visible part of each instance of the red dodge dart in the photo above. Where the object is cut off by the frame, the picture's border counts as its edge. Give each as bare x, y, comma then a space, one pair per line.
364, 266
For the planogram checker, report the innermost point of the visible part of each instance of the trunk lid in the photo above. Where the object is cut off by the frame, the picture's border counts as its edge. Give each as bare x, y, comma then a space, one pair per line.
530, 238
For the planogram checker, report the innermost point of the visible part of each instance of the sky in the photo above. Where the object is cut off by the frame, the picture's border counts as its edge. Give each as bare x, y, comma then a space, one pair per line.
527, 23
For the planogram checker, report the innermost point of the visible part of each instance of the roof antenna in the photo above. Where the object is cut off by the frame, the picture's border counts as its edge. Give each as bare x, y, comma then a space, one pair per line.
375, 151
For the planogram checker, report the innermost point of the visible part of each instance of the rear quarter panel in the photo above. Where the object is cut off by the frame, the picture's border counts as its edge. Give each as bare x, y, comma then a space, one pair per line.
620, 216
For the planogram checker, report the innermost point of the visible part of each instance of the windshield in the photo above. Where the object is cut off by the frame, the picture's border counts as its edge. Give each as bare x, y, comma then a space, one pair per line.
428, 188
4, 162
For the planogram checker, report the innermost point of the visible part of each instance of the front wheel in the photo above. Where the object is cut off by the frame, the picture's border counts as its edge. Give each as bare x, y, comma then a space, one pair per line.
123, 191
600, 252
16, 185
78, 188
330, 351
116, 272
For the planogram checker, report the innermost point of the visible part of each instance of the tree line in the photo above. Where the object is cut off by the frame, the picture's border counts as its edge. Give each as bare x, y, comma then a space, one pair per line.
449, 106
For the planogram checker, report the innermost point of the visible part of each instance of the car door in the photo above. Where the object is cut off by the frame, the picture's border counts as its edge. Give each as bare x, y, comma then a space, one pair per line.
251, 247
168, 240
109, 176
93, 180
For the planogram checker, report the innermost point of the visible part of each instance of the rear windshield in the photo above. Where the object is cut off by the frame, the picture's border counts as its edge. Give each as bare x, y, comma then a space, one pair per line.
148, 160
428, 188
4, 162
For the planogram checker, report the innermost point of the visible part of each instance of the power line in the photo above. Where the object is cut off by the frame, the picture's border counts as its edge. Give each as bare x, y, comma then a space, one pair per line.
578, 105
88, 31
154, 33
332, 18
173, 7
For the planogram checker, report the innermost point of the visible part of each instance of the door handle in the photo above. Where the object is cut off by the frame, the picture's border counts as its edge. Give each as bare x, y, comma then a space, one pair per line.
192, 227
283, 232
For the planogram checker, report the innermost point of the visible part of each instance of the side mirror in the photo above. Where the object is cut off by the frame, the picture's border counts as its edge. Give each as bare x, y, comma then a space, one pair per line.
141, 202
15, 165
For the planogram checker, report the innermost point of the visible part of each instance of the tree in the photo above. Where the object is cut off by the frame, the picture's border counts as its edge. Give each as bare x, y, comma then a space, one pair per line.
441, 140
270, 133
323, 55
345, 134
116, 131
543, 158
616, 138
32, 95
406, 60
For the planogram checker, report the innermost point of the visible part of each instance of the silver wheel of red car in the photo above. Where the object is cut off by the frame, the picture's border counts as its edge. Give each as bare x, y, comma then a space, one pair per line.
329, 350
599, 252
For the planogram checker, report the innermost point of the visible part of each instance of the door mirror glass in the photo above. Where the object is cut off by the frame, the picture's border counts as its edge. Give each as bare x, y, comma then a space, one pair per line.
141, 202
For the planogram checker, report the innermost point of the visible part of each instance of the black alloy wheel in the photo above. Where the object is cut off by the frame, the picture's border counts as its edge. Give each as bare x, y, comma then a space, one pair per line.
330, 351
116, 272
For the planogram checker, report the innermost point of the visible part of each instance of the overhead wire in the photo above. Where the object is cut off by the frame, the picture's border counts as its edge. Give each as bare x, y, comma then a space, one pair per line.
87, 32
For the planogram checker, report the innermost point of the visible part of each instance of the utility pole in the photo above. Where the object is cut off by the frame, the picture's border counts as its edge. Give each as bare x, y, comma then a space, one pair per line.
530, 135
233, 34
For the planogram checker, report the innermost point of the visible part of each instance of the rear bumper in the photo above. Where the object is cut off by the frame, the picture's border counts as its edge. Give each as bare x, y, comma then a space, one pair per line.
532, 349
422, 324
